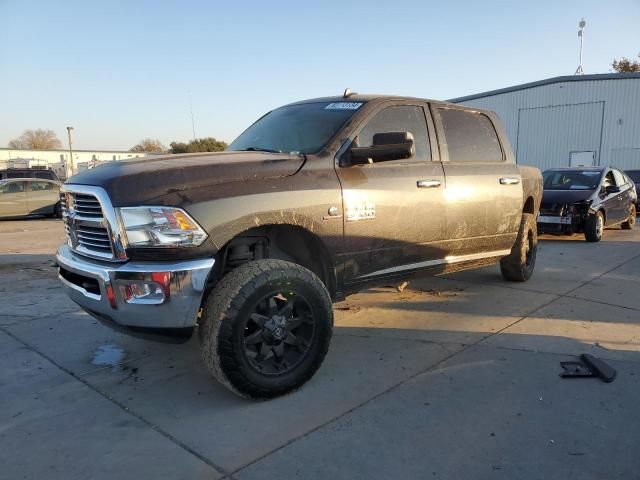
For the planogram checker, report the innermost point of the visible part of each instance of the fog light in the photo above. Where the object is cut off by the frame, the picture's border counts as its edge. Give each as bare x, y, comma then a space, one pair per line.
135, 291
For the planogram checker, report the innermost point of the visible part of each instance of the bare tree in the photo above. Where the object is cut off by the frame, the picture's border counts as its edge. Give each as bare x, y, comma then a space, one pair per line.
624, 65
39, 139
149, 145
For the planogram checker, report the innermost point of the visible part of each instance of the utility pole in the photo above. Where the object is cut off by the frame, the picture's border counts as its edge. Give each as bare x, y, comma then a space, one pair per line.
70, 168
193, 125
582, 24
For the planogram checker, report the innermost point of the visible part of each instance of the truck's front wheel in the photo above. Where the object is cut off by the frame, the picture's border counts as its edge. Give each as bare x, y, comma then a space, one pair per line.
265, 329
519, 265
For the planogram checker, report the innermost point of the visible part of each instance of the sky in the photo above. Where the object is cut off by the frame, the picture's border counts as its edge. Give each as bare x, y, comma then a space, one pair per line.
119, 71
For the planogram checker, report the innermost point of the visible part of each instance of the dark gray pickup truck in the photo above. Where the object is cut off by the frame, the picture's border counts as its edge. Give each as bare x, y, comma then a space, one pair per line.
315, 200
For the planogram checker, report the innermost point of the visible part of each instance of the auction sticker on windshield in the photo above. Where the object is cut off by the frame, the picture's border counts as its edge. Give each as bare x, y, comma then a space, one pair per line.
343, 106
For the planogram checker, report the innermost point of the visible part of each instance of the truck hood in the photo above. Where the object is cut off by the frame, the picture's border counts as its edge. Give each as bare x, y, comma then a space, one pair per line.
147, 180
566, 196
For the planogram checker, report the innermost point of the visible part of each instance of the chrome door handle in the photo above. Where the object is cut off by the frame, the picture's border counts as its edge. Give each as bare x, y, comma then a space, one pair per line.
509, 181
429, 183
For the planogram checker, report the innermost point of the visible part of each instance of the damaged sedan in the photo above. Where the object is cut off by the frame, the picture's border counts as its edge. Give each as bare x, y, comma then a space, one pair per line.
586, 200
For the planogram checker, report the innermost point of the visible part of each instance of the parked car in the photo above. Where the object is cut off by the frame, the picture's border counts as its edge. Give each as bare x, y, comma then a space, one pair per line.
21, 197
315, 200
28, 173
634, 176
586, 200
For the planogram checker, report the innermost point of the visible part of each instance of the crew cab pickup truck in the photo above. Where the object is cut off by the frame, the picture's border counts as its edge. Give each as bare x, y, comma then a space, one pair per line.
315, 200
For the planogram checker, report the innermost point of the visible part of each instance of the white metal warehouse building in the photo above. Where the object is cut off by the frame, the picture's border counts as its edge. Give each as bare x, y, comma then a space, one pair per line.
570, 121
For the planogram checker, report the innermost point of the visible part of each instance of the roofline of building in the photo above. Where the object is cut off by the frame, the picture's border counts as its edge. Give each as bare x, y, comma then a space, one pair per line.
548, 81
66, 150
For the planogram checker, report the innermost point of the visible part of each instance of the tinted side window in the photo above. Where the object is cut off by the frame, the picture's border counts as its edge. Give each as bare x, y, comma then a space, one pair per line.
400, 118
609, 179
13, 187
470, 136
40, 186
620, 181
45, 174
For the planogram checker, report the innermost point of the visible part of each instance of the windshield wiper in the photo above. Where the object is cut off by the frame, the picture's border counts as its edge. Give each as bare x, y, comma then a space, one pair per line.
260, 149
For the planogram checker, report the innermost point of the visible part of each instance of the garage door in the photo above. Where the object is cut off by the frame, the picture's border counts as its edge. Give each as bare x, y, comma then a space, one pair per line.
547, 136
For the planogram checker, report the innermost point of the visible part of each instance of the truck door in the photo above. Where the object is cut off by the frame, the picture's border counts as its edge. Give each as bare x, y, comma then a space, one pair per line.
13, 199
484, 187
393, 211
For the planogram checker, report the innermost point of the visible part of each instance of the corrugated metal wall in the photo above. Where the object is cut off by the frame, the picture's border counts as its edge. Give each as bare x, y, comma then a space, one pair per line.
546, 123
546, 136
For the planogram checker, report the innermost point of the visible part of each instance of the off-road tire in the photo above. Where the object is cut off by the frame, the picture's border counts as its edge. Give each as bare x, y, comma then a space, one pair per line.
631, 221
518, 266
223, 321
594, 227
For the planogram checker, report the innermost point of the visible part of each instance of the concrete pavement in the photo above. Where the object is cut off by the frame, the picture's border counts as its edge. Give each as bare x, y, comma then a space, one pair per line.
455, 377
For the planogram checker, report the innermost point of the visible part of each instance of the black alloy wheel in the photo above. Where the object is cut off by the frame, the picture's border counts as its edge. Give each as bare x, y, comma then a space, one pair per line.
278, 332
265, 328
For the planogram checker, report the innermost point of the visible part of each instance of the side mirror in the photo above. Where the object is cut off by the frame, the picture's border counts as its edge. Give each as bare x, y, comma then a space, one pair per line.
386, 146
611, 189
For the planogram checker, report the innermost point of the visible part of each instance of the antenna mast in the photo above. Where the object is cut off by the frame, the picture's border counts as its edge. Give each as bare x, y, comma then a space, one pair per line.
580, 70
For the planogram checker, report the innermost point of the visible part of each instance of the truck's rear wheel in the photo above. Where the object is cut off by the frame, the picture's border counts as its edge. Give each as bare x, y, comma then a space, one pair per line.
519, 265
266, 328
594, 227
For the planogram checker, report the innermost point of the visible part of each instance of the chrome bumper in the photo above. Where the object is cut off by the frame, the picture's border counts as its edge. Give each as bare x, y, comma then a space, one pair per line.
98, 288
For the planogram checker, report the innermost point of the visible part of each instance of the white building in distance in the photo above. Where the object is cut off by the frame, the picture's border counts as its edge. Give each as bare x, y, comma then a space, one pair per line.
57, 159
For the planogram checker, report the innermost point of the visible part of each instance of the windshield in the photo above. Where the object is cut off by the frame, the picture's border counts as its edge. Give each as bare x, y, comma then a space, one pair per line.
634, 175
302, 128
571, 179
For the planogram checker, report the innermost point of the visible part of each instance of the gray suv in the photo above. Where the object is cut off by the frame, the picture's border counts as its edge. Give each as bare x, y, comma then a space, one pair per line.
21, 197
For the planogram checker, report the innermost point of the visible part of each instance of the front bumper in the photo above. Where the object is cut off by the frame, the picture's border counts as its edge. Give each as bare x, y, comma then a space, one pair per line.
567, 224
98, 287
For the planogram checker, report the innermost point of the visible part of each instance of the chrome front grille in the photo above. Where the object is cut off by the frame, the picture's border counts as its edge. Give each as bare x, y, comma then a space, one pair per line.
87, 205
94, 239
88, 227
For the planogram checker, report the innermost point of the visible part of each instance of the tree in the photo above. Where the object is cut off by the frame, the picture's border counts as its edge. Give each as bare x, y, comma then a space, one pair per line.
152, 145
39, 139
208, 144
624, 65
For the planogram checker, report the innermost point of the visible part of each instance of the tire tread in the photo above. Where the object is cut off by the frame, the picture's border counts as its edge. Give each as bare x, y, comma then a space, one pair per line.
222, 307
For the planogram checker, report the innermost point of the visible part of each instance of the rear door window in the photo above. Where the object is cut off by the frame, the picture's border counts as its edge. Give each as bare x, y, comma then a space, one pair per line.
620, 181
40, 186
470, 136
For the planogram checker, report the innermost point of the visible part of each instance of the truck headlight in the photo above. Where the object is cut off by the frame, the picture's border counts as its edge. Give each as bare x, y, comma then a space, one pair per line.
160, 227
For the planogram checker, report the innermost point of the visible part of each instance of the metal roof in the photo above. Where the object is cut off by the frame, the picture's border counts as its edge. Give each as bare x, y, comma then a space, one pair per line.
548, 81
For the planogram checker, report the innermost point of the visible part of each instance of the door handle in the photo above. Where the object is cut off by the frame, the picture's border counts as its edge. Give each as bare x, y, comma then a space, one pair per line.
429, 183
509, 181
